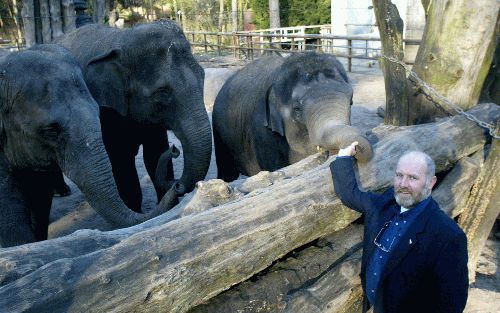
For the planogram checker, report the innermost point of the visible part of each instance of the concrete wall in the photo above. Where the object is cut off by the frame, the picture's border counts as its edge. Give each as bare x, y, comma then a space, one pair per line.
355, 17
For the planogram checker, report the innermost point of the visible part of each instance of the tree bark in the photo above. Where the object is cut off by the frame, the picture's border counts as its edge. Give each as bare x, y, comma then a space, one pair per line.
269, 291
99, 11
68, 15
221, 16
180, 264
482, 207
391, 27
455, 55
234, 15
45, 20
56, 18
28, 15
274, 14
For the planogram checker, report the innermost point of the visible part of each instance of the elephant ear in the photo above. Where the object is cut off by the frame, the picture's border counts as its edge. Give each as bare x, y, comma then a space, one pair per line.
107, 79
273, 121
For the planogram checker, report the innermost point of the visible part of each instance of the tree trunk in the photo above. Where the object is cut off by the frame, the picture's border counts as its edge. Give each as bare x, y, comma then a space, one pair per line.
111, 12
456, 52
234, 15
18, 35
180, 264
221, 16
28, 14
68, 15
391, 27
274, 14
45, 20
482, 207
55, 18
99, 14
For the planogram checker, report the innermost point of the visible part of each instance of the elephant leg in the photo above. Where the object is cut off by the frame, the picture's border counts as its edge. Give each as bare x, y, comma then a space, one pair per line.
61, 189
155, 144
226, 166
37, 188
15, 224
121, 142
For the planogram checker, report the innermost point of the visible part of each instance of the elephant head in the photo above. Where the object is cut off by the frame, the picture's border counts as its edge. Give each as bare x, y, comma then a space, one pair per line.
149, 75
49, 122
309, 104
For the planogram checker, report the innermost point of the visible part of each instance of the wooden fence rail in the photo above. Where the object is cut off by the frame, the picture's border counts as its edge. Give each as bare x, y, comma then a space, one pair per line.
250, 44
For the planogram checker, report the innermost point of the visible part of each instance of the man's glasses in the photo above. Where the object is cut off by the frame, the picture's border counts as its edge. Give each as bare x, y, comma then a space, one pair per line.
376, 241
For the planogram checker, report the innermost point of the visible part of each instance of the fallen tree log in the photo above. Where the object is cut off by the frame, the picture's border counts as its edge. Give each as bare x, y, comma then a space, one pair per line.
176, 266
268, 291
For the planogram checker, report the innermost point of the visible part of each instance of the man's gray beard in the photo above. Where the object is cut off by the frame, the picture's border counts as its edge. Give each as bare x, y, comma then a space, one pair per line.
408, 201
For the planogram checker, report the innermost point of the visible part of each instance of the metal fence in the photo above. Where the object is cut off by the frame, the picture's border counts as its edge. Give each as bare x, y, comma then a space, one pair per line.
253, 44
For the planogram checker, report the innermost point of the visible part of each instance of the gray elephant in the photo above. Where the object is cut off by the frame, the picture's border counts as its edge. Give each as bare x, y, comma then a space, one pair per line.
276, 111
146, 81
49, 122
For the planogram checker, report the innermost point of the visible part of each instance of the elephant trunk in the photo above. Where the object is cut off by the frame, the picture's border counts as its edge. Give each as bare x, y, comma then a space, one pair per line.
196, 140
328, 126
86, 163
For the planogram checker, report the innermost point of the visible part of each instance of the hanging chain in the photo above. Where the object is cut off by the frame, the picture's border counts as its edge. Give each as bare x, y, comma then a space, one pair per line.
434, 97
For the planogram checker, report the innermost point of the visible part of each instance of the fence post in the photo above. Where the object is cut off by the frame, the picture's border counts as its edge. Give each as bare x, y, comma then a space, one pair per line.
205, 43
292, 43
250, 47
349, 55
193, 44
218, 44
238, 46
234, 44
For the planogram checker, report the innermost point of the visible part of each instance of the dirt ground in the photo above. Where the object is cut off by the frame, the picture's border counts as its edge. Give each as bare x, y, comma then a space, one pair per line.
72, 212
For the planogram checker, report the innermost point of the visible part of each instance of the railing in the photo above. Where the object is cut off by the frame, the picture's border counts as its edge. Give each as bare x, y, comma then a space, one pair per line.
249, 44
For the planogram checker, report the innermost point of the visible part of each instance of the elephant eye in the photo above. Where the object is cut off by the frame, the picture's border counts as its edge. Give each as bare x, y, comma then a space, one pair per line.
51, 131
297, 112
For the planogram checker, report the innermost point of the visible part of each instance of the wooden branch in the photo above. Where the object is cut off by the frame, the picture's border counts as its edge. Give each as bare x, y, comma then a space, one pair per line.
180, 264
482, 209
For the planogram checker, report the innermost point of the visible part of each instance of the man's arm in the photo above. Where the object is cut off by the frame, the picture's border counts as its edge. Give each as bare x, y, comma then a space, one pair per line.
451, 275
344, 181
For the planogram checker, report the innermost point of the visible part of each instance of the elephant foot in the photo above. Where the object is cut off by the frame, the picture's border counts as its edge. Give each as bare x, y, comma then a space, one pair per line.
62, 190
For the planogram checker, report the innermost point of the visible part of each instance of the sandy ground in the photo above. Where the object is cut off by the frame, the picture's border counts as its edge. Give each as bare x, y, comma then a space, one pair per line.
72, 212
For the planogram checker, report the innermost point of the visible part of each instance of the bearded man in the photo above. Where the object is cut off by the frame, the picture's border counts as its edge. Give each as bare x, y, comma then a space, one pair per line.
414, 255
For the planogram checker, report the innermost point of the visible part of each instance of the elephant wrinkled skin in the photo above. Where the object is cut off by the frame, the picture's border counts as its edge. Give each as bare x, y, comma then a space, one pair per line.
276, 111
146, 81
49, 123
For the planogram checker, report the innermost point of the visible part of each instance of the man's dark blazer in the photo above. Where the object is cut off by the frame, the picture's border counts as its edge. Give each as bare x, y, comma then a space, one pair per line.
427, 271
